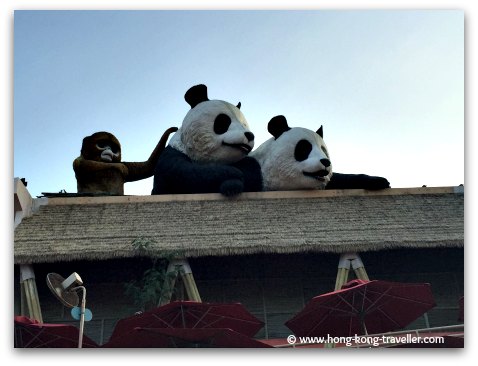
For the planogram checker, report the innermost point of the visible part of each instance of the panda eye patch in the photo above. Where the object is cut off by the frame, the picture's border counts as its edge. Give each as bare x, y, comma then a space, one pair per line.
222, 123
302, 150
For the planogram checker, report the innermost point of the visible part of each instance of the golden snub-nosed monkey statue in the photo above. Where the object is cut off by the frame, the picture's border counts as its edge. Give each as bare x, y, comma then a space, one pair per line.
99, 168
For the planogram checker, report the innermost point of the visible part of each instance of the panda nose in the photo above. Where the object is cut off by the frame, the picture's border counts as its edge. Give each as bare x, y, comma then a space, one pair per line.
249, 136
325, 162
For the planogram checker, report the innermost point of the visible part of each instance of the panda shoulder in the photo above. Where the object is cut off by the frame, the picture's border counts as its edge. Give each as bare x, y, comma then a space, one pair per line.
261, 152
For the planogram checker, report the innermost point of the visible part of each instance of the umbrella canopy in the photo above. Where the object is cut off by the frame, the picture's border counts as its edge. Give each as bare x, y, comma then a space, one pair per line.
191, 314
29, 333
183, 338
362, 307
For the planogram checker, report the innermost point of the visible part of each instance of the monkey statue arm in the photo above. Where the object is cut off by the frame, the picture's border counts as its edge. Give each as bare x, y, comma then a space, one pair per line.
99, 177
143, 170
84, 166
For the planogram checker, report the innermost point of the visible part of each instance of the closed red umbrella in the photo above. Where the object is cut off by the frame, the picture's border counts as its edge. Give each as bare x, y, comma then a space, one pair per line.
362, 307
191, 315
29, 333
183, 338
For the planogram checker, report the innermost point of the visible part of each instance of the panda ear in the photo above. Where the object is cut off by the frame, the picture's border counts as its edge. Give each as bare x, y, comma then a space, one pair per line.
238, 105
277, 126
320, 132
196, 95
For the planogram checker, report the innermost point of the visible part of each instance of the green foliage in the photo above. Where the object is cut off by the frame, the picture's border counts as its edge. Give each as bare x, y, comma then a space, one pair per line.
142, 244
155, 284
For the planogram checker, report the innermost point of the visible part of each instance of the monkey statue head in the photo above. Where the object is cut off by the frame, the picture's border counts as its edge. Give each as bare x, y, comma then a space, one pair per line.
101, 146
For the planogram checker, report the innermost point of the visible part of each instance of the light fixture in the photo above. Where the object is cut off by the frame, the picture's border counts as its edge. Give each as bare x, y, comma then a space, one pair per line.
65, 291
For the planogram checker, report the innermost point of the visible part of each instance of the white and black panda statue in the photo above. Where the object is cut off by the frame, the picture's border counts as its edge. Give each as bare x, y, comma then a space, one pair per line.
208, 154
297, 158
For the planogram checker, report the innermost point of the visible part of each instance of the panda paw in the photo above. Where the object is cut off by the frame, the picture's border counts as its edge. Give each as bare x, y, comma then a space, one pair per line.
357, 181
231, 187
252, 174
375, 183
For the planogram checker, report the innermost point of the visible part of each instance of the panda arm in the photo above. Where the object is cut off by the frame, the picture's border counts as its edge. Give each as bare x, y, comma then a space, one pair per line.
177, 173
357, 181
252, 174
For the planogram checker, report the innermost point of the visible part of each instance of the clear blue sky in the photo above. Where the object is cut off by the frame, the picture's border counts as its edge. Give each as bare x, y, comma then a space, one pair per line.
388, 86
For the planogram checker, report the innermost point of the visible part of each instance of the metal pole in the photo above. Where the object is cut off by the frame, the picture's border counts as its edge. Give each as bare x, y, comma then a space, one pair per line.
82, 315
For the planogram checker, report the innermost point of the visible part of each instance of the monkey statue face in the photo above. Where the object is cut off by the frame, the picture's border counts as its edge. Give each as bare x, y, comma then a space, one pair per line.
101, 146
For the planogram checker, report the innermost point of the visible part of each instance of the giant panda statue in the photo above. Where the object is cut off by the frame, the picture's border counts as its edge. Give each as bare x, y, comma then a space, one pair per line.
208, 154
297, 158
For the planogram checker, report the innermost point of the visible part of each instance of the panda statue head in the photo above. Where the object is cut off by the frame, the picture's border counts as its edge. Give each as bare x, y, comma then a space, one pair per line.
294, 159
213, 131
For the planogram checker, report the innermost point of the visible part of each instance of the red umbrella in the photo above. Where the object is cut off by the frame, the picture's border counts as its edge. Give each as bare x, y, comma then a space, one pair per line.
29, 333
191, 314
362, 307
183, 338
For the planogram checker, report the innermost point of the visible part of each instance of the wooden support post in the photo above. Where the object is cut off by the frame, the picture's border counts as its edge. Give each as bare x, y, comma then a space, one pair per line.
169, 283
189, 283
191, 288
359, 268
343, 270
181, 267
361, 273
342, 275
346, 261
30, 301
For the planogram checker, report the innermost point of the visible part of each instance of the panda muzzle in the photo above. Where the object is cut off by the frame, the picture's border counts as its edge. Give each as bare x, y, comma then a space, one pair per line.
318, 174
243, 147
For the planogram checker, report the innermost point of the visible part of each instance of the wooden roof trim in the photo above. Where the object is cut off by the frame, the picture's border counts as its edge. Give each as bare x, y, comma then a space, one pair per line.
251, 195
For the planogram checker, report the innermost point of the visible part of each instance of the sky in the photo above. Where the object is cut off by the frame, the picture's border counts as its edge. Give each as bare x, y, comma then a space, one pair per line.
387, 85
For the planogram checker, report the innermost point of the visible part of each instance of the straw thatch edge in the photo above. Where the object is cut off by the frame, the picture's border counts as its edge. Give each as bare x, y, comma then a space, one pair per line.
190, 253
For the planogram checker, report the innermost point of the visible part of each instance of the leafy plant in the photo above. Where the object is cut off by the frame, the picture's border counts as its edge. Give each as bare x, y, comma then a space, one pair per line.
157, 283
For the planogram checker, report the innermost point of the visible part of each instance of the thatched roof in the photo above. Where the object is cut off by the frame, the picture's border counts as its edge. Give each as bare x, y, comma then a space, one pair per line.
93, 228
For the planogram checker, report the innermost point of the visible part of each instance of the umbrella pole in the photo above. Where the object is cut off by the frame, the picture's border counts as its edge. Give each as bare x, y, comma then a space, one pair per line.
364, 328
